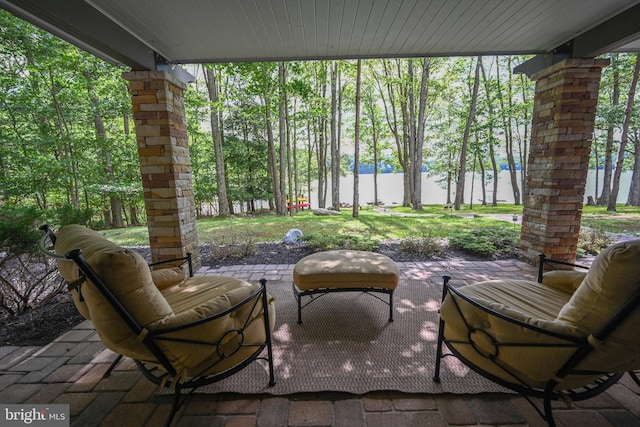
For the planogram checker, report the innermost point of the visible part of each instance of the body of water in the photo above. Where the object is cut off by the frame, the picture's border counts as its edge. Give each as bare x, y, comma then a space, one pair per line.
390, 189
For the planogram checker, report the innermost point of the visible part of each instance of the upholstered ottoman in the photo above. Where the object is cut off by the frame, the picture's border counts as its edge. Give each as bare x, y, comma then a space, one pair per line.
344, 271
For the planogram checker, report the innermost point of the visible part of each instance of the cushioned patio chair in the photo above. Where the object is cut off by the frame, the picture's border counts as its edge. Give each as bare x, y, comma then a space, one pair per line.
182, 332
567, 337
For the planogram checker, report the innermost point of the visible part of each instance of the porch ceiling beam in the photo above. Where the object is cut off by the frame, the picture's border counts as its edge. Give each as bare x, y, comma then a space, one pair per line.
610, 35
82, 25
606, 37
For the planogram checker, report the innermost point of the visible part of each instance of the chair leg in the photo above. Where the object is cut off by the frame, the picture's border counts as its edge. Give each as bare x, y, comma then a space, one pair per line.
548, 413
112, 367
267, 331
175, 406
436, 374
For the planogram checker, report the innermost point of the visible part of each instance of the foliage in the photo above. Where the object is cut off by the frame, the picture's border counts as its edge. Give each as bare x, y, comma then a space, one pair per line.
489, 242
67, 214
326, 242
19, 230
592, 241
54, 95
426, 245
27, 278
234, 243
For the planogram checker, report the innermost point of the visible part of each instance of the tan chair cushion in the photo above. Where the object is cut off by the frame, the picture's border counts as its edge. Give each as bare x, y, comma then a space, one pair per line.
526, 301
204, 296
165, 277
345, 269
564, 280
128, 276
613, 277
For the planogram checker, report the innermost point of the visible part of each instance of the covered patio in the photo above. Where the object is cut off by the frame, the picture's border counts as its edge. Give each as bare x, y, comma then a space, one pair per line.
69, 371
154, 37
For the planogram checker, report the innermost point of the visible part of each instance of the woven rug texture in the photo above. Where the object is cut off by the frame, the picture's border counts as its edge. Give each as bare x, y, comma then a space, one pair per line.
346, 344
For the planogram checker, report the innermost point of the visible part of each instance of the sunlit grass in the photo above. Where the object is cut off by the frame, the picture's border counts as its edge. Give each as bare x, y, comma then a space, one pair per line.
626, 219
397, 223
501, 209
270, 228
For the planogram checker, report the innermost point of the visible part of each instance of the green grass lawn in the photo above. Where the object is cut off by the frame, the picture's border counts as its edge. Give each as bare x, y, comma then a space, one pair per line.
626, 219
398, 222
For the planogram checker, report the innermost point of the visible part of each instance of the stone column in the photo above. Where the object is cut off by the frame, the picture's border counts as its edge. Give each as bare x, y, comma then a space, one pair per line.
165, 164
562, 130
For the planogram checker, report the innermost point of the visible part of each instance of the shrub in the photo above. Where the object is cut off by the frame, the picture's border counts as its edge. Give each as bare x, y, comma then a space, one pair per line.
27, 278
67, 214
427, 246
234, 244
488, 242
19, 232
320, 242
592, 241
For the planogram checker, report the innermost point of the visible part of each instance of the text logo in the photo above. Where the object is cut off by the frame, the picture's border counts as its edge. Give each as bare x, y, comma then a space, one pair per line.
34, 415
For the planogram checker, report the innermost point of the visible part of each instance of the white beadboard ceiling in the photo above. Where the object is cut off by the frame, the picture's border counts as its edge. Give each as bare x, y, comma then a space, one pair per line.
244, 30
193, 31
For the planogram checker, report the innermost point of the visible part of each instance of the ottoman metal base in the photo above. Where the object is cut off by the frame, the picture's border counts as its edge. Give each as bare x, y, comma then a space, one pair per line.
345, 271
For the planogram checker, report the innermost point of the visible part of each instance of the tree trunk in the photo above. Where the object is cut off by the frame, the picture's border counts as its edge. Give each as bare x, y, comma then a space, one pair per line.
465, 139
216, 133
374, 143
321, 123
624, 137
603, 200
282, 108
411, 130
69, 152
133, 214
490, 139
634, 190
408, 129
523, 143
309, 158
273, 161
508, 131
335, 152
356, 142
417, 161
391, 115
101, 136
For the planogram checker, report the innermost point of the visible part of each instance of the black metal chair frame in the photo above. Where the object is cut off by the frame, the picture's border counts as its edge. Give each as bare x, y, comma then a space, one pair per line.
581, 345
150, 368
298, 294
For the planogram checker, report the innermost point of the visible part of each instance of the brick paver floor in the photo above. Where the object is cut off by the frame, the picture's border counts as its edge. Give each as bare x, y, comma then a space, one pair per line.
69, 370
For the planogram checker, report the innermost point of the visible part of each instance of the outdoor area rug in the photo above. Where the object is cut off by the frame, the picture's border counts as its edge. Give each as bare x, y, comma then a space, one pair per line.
347, 344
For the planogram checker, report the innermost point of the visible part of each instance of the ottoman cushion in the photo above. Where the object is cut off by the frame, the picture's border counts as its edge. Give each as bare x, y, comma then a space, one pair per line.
346, 269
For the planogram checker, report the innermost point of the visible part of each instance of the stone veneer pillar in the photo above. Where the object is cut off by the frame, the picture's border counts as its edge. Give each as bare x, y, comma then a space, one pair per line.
165, 164
563, 120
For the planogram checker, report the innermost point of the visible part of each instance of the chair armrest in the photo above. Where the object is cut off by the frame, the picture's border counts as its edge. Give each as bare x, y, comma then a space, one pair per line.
166, 277
563, 280
176, 262
552, 264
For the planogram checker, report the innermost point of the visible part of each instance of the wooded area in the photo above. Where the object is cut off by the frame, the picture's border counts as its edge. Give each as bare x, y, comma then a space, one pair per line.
271, 131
